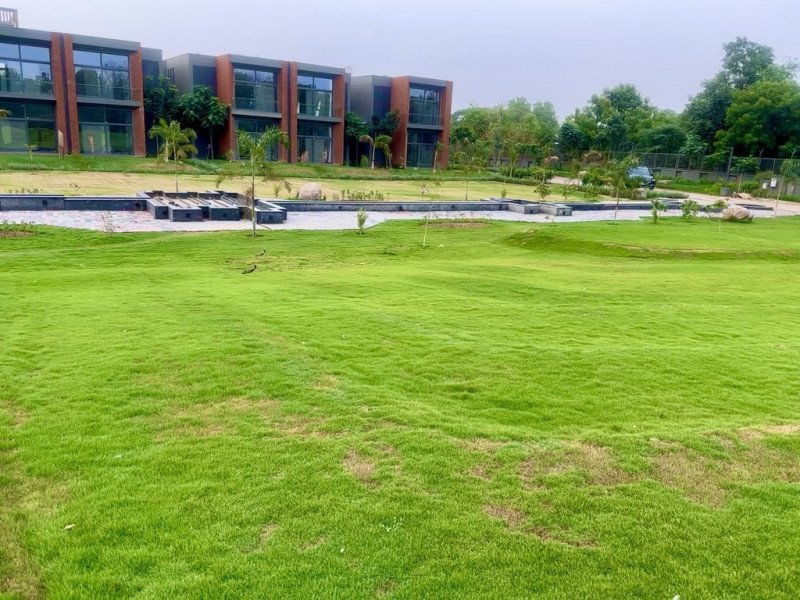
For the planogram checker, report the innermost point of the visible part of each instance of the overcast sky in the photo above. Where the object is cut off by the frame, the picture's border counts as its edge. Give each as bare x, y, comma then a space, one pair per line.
560, 50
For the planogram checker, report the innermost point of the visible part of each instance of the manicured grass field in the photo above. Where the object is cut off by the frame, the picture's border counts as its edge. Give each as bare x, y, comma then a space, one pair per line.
89, 183
573, 411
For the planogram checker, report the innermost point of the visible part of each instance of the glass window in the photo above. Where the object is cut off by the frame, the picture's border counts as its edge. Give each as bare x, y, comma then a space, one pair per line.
9, 51
256, 127
424, 106
255, 89
314, 96
115, 61
102, 75
87, 59
29, 125
31, 75
37, 53
314, 143
421, 148
105, 130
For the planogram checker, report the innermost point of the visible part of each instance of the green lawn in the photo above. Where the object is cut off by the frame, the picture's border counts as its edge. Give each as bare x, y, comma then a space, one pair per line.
574, 411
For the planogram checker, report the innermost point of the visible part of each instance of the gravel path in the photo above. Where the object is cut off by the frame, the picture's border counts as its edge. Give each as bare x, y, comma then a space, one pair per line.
142, 221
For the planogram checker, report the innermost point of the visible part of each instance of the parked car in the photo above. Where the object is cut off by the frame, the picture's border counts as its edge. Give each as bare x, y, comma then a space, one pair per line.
644, 175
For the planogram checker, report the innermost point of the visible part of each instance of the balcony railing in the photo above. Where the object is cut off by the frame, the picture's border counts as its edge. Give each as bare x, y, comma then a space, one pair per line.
421, 119
317, 110
26, 86
106, 92
257, 104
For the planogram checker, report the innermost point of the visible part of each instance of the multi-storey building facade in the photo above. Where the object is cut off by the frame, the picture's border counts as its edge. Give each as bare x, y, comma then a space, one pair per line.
424, 107
75, 93
307, 101
79, 94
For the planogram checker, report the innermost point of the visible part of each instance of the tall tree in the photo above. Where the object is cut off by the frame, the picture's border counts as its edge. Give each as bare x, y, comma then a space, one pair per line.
256, 152
764, 117
178, 143
746, 62
161, 98
201, 109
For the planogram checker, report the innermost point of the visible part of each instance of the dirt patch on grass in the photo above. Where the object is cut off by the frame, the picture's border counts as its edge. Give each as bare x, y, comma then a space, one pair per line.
209, 419
513, 518
15, 234
707, 480
296, 425
386, 588
482, 445
481, 472
314, 544
756, 433
359, 466
595, 463
19, 417
326, 383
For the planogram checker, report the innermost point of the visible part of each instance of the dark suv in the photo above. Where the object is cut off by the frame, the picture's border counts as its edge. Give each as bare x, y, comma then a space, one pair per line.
644, 175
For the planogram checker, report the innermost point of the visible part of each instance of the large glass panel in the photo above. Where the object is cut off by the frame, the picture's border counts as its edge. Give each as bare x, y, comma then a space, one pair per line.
120, 139
36, 78
115, 61
314, 143
105, 130
256, 127
87, 82
10, 77
13, 134
28, 125
35, 53
100, 75
424, 106
42, 135
255, 90
10, 51
93, 139
314, 96
87, 59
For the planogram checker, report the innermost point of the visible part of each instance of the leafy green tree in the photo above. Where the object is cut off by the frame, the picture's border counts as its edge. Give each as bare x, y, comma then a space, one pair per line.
693, 147
178, 143
705, 113
161, 99
388, 124
160, 102
572, 141
666, 137
354, 129
746, 62
202, 110
764, 117
256, 152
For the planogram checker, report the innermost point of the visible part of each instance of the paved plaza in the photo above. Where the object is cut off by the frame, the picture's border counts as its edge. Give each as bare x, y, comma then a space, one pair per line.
322, 220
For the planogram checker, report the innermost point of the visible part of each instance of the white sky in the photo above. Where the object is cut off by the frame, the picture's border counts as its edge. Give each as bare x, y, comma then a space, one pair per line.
561, 50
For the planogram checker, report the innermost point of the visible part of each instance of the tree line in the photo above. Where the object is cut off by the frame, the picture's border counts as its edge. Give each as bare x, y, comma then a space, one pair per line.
751, 107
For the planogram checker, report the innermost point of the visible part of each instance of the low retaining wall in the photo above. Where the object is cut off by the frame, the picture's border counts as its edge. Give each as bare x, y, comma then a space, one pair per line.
394, 206
57, 202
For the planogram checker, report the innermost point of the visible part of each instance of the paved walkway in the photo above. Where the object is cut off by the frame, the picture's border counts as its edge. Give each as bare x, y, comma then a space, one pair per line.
142, 221
784, 209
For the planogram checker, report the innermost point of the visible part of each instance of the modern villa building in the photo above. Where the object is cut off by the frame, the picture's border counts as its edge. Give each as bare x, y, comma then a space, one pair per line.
81, 94
424, 107
307, 101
